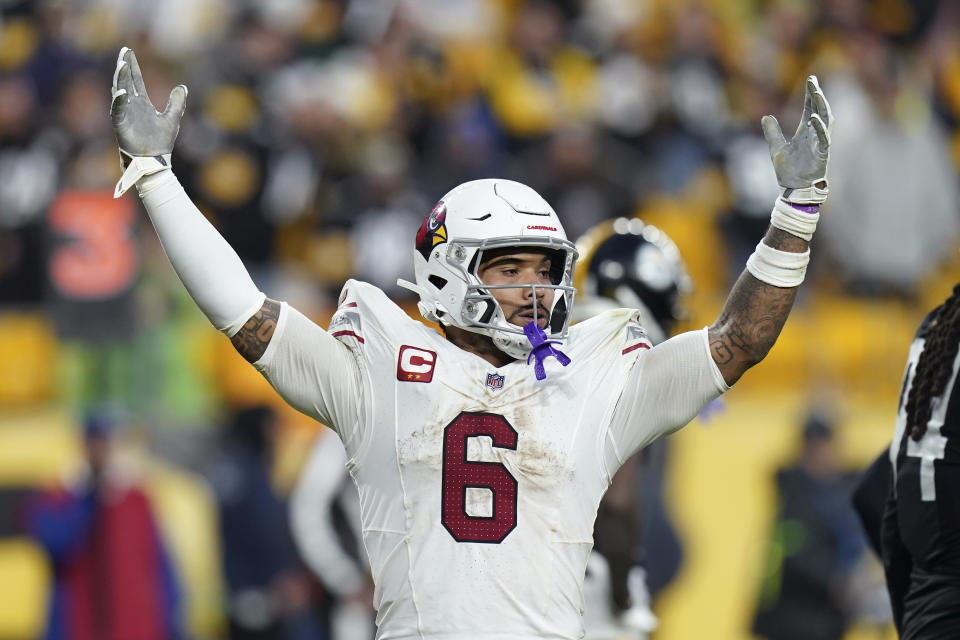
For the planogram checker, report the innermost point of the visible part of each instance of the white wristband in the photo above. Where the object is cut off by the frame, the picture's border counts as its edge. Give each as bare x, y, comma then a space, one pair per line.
788, 218
139, 167
779, 268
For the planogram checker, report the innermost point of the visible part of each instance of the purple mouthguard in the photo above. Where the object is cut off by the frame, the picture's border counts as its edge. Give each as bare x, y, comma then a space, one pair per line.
542, 349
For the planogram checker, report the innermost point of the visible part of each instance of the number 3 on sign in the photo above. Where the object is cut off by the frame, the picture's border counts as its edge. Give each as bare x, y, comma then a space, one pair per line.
460, 475
99, 259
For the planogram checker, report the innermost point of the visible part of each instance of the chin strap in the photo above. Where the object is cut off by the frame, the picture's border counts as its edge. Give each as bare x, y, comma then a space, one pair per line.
542, 349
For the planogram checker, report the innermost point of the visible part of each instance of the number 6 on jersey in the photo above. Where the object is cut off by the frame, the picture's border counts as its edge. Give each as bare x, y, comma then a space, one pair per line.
459, 475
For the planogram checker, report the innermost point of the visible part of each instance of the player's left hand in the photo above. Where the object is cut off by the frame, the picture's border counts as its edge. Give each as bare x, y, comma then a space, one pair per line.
801, 162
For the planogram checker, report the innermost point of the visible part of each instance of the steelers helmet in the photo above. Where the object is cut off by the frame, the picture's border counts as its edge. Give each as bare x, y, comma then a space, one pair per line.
627, 263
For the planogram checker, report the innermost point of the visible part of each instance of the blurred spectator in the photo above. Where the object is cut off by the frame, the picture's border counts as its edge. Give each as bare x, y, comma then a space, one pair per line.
112, 577
696, 114
584, 174
870, 495
747, 168
28, 181
227, 169
469, 139
384, 205
893, 212
540, 80
325, 517
268, 592
815, 546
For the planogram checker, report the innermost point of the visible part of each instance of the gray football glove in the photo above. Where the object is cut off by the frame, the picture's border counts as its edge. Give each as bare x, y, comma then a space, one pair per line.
145, 136
801, 162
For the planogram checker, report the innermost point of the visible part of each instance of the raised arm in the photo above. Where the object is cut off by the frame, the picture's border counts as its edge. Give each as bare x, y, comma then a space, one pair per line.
761, 299
313, 371
207, 265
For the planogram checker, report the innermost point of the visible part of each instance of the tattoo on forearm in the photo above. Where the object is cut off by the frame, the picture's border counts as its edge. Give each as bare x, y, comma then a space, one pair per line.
780, 239
252, 340
753, 316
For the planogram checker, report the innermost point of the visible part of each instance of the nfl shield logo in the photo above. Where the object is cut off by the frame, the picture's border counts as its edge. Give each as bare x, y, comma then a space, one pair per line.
495, 381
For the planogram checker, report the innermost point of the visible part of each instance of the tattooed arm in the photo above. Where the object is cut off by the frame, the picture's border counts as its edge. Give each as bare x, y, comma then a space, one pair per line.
760, 301
753, 315
255, 334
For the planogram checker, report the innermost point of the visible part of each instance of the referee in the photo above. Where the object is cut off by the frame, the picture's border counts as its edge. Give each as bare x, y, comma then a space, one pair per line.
921, 519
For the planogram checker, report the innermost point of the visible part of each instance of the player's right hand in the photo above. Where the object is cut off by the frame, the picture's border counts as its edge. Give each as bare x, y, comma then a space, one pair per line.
144, 135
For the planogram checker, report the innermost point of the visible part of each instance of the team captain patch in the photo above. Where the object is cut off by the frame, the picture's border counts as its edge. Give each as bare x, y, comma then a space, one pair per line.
415, 364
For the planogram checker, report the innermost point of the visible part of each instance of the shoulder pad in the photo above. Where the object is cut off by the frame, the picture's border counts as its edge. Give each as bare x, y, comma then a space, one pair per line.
635, 337
364, 312
346, 324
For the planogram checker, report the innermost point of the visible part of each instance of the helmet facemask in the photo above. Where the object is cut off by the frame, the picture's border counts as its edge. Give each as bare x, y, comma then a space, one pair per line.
482, 313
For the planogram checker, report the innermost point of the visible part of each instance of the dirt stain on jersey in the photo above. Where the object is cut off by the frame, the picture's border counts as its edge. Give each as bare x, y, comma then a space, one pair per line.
536, 461
537, 458
423, 446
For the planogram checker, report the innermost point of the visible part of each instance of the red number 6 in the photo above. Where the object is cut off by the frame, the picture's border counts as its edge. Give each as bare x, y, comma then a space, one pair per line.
460, 475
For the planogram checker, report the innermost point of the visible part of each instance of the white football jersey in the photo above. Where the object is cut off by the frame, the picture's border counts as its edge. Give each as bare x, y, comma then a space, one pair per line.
479, 485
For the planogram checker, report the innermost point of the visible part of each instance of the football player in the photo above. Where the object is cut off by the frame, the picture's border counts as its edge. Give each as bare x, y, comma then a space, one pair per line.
625, 263
481, 456
920, 532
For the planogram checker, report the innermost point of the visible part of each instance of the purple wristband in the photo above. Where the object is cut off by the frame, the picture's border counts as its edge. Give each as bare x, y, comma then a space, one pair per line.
806, 208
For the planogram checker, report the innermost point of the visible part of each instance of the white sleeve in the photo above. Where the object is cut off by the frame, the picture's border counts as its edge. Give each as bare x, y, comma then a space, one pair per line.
321, 482
314, 372
666, 388
207, 265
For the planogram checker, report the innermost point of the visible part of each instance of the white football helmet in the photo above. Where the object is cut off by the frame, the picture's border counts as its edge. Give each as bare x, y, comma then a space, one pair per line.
475, 217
